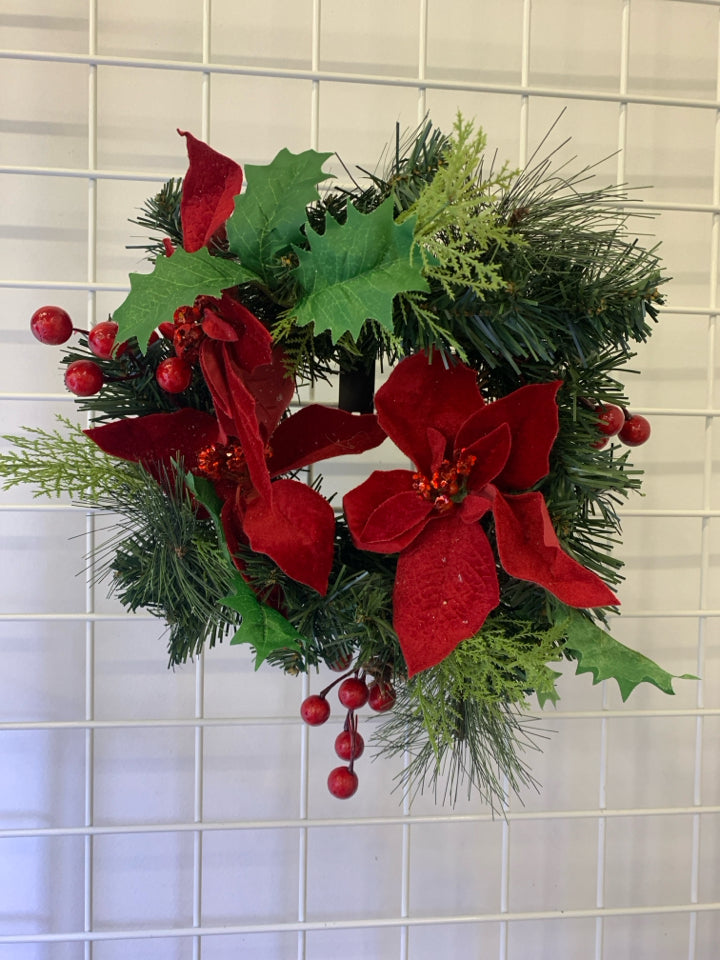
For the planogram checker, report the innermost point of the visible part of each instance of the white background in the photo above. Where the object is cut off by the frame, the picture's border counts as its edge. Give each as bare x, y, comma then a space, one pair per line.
168, 815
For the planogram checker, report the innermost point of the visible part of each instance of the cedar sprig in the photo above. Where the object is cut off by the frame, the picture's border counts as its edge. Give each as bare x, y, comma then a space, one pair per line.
61, 462
463, 721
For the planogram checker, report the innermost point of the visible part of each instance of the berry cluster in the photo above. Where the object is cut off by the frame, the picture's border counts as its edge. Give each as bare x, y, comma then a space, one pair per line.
85, 378
613, 421
353, 693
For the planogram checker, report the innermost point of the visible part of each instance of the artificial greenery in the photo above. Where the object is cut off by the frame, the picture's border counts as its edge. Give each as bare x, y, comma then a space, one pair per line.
55, 463
447, 744
130, 388
161, 213
161, 556
527, 276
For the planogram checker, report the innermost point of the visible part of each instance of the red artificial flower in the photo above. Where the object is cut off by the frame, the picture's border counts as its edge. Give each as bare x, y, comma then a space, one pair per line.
209, 190
247, 451
471, 458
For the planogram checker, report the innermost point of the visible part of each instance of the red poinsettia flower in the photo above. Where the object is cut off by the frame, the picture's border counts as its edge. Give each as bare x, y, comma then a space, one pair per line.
471, 458
248, 449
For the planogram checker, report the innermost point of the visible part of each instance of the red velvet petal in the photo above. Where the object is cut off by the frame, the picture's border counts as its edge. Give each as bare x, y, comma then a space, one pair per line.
363, 501
445, 587
273, 390
235, 408
439, 446
317, 433
212, 362
529, 550
296, 529
158, 438
230, 320
532, 415
492, 452
209, 190
214, 326
421, 394
474, 507
397, 521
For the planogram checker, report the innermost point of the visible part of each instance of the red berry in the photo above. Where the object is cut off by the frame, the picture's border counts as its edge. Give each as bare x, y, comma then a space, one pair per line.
84, 378
101, 339
610, 419
636, 430
51, 325
349, 745
381, 696
315, 710
353, 693
174, 375
342, 782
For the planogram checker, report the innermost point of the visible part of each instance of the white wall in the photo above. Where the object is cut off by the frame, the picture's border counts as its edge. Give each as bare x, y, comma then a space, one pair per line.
108, 762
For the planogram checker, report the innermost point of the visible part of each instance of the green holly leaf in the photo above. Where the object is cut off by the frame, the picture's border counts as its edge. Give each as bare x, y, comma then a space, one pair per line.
268, 216
174, 282
204, 492
603, 656
353, 271
262, 627
548, 692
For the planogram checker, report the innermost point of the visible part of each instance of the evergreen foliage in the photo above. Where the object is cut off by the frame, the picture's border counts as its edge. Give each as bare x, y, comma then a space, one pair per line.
532, 276
161, 214
62, 461
161, 556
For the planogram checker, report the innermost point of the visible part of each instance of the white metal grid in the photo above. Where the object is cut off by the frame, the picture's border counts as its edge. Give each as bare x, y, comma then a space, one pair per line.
192, 806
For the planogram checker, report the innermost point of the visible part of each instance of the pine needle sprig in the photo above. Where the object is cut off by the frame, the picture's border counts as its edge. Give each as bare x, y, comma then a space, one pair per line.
482, 747
456, 227
161, 557
161, 214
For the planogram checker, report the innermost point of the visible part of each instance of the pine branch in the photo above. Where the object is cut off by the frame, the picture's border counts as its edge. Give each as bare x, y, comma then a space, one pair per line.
161, 213
161, 557
476, 745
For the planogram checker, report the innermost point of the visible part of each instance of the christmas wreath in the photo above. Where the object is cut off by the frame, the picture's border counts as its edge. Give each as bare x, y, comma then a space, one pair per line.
498, 305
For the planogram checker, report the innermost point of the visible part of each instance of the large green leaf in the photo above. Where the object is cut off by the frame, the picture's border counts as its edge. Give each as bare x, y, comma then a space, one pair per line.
604, 657
353, 271
268, 216
174, 282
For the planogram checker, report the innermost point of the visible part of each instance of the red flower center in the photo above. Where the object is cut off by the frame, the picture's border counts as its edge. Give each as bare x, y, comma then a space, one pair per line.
446, 486
226, 462
223, 461
188, 333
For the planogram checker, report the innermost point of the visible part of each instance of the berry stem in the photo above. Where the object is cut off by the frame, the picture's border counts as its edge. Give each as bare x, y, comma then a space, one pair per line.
328, 688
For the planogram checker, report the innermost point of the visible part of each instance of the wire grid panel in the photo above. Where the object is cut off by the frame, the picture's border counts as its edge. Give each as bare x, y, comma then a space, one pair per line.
169, 815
